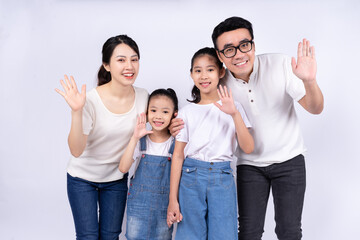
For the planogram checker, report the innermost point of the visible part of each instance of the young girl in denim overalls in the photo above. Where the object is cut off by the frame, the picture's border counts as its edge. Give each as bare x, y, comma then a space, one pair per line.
148, 195
202, 189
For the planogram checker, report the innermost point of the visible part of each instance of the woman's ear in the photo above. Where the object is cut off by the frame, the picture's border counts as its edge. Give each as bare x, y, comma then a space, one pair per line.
106, 66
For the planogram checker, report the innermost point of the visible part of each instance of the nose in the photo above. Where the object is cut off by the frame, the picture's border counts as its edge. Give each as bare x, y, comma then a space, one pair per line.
204, 75
158, 115
129, 64
239, 54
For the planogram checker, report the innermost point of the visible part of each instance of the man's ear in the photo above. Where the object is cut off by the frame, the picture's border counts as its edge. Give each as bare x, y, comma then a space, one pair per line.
219, 56
222, 72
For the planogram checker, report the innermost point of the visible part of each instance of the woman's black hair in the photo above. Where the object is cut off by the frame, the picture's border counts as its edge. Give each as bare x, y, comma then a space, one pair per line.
170, 93
195, 92
107, 51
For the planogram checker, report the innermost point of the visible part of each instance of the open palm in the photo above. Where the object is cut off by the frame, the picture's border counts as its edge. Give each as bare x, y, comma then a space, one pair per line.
140, 128
227, 101
305, 67
71, 95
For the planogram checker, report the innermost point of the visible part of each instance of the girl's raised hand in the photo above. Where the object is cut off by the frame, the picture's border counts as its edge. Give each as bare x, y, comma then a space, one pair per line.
227, 101
72, 96
140, 128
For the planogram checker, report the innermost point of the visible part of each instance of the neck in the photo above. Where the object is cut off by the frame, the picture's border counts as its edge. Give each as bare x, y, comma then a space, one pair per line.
207, 98
159, 136
245, 78
118, 90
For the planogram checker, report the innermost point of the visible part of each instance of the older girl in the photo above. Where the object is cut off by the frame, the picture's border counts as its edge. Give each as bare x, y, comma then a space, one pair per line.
202, 188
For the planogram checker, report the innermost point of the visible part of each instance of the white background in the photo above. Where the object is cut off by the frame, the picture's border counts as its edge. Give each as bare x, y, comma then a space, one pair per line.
42, 40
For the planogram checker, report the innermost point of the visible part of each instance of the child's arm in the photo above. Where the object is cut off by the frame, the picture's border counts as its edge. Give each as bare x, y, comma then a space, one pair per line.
140, 130
173, 213
245, 140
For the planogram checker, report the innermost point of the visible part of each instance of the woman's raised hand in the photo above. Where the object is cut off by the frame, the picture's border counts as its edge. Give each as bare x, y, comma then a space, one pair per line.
72, 96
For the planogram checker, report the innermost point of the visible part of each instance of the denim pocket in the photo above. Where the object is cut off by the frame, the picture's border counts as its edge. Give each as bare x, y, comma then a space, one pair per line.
154, 170
226, 178
188, 176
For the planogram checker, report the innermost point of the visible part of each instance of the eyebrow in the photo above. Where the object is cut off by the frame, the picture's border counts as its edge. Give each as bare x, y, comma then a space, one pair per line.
157, 107
231, 45
120, 56
206, 66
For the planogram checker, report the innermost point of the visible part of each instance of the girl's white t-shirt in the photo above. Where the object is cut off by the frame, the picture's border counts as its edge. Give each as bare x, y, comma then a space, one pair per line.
209, 133
108, 135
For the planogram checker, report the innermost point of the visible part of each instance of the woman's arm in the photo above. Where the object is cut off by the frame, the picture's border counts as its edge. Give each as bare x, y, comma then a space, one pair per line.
173, 213
77, 139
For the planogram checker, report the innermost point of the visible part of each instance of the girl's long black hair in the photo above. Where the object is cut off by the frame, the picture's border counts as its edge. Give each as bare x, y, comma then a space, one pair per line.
195, 92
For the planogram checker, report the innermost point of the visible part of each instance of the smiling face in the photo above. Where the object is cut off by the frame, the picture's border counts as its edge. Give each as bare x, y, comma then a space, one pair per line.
240, 65
206, 74
160, 112
123, 65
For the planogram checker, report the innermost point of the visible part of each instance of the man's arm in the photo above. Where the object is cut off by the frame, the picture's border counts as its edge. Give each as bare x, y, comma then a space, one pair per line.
305, 69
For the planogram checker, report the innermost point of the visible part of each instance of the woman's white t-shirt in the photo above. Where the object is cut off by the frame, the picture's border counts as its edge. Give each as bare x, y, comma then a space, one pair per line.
108, 135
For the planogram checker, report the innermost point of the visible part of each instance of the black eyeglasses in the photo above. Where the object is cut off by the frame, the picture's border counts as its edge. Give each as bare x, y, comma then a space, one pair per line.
243, 47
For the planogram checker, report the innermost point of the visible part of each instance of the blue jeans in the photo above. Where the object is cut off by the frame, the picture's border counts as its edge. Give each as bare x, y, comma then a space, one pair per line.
287, 181
86, 198
207, 198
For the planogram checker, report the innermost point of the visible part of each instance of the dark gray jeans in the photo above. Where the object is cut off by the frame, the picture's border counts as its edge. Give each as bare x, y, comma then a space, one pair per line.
287, 181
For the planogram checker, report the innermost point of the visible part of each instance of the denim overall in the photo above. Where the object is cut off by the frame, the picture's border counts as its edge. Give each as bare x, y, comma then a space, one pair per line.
148, 197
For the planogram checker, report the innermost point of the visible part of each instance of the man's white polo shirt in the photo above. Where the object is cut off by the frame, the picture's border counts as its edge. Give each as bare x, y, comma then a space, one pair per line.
268, 99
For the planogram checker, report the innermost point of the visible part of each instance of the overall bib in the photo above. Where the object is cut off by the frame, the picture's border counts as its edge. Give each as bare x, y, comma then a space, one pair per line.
148, 197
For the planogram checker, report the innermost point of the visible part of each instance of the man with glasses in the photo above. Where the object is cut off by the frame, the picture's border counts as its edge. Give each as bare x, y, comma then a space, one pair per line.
267, 86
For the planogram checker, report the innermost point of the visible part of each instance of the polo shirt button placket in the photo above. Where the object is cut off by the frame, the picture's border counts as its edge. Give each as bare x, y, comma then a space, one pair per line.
250, 97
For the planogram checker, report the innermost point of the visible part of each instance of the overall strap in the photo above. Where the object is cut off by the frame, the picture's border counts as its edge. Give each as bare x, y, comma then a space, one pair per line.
143, 143
171, 149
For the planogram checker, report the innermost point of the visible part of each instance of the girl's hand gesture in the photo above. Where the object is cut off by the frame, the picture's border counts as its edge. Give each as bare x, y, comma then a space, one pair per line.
140, 128
173, 213
75, 99
227, 101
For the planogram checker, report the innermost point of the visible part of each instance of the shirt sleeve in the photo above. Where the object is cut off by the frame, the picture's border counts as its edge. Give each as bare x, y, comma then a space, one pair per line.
240, 108
183, 135
88, 115
294, 85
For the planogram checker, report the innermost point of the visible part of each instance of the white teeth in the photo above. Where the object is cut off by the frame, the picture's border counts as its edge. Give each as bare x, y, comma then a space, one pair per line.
128, 75
242, 63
